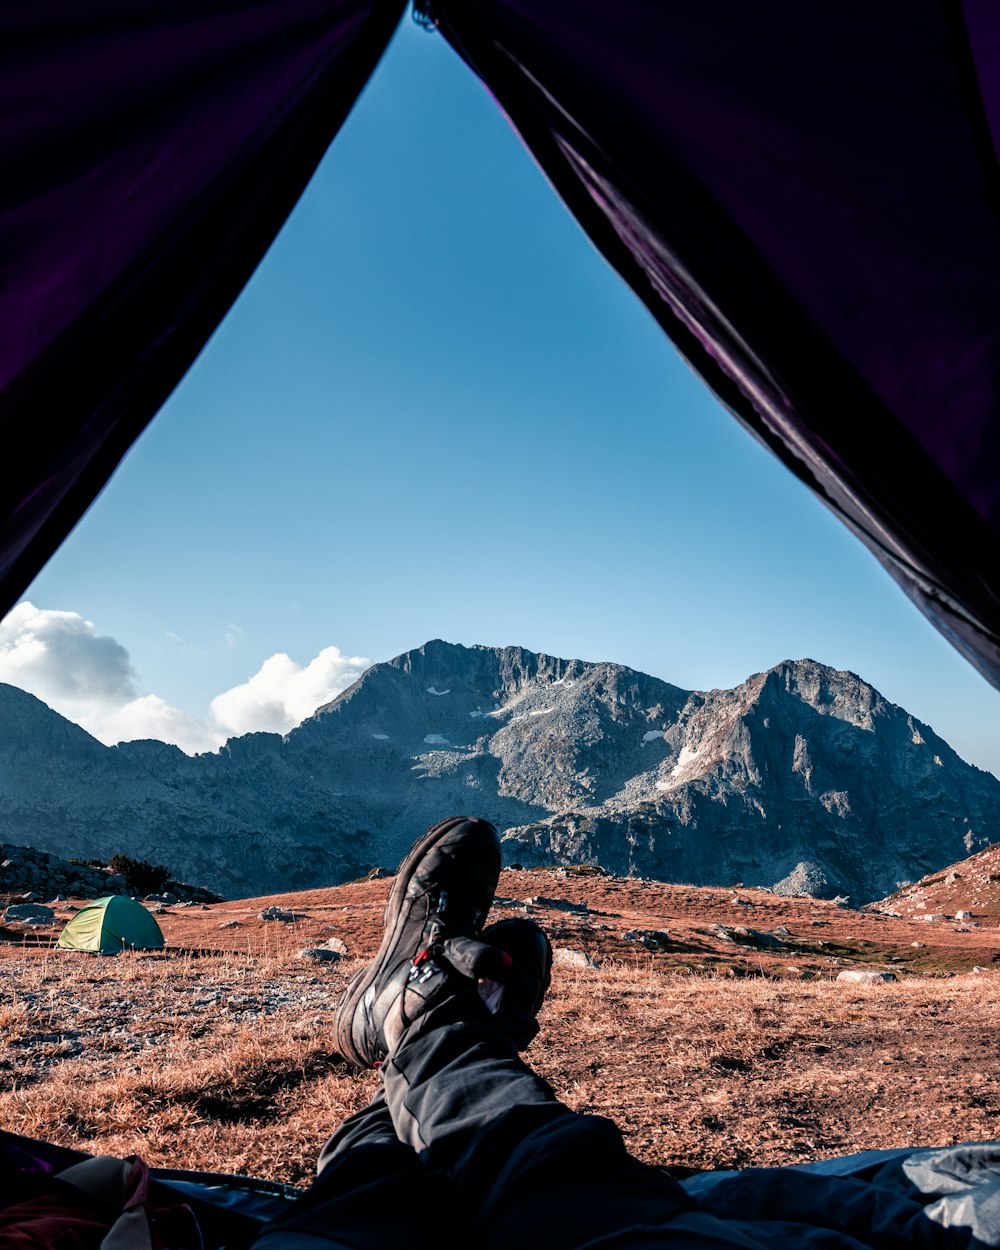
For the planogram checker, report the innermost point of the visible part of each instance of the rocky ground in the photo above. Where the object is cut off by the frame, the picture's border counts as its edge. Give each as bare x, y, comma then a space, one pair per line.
710, 1024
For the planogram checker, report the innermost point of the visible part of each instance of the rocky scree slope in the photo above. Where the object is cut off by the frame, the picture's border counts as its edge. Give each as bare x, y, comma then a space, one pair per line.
802, 778
27, 874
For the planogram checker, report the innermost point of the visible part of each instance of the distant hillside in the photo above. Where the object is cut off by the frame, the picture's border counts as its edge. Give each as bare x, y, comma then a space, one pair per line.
971, 886
802, 778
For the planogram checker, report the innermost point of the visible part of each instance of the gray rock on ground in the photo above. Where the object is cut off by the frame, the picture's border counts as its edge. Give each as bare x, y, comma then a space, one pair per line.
29, 913
279, 913
556, 904
865, 976
573, 958
651, 939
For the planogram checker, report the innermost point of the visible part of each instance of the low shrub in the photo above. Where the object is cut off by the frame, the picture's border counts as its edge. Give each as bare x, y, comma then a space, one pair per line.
140, 875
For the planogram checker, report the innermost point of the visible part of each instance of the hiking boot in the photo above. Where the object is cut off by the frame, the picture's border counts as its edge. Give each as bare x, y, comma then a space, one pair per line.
510, 966
443, 891
516, 994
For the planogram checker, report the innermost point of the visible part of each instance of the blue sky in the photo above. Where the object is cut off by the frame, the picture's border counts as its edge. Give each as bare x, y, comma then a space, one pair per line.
436, 412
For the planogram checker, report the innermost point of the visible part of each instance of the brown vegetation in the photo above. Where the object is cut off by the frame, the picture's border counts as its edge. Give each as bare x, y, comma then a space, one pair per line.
711, 1047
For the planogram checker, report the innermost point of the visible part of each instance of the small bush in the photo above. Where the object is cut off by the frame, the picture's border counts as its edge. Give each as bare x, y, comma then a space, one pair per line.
140, 875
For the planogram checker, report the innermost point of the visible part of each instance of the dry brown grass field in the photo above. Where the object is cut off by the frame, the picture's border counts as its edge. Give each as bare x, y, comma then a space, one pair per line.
712, 1027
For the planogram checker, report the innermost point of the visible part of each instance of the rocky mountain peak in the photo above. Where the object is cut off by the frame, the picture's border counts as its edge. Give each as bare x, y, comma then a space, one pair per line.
831, 692
26, 722
801, 774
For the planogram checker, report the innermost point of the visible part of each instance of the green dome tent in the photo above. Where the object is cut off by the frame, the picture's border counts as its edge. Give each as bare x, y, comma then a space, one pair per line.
110, 925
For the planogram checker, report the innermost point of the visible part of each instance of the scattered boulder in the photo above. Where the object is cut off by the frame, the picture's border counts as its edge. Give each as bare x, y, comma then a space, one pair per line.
865, 976
230, 924
963, 915
556, 904
320, 954
573, 958
279, 913
746, 937
334, 944
29, 913
184, 891
652, 939
25, 870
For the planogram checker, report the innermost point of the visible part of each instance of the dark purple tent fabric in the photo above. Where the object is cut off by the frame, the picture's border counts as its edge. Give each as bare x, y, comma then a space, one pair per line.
150, 150
806, 197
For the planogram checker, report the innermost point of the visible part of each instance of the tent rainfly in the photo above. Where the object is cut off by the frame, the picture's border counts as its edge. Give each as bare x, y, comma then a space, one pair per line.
110, 925
808, 203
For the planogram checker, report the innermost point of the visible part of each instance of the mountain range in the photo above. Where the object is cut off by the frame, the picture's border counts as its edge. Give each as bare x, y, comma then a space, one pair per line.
803, 779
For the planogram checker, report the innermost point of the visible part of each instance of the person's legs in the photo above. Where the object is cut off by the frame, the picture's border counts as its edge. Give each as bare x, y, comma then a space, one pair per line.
371, 1188
467, 1141
367, 1188
370, 1126
457, 1091
520, 1161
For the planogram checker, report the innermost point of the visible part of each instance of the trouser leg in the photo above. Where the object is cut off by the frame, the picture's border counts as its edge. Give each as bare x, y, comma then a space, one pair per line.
370, 1126
368, 1186
521, 1162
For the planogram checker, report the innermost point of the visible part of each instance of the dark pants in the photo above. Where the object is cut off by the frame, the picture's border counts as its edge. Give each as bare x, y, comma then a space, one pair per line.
465, 1145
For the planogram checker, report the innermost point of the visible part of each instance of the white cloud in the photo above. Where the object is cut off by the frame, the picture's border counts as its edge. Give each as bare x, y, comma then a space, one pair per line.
89, 678
59, 657
282, 693
152, 717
